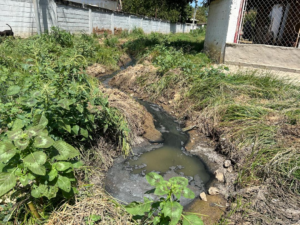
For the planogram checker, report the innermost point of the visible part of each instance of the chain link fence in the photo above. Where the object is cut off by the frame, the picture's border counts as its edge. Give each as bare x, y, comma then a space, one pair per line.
270, 22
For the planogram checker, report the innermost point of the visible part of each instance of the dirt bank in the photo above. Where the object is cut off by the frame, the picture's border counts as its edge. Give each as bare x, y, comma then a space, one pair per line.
264, 201
140, 121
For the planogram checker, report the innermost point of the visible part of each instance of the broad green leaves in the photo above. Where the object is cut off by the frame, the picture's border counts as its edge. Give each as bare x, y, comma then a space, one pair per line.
7, 151
62, 166
64, 183
162, 188
7, 182
172, 210
192, 220
140, 209
35, 162
48, 191
166, 210
65, 150
188, 193
43, 142
154, 178
13, 90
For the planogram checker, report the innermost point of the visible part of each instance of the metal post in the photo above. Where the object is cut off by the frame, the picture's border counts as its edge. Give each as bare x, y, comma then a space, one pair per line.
37, 17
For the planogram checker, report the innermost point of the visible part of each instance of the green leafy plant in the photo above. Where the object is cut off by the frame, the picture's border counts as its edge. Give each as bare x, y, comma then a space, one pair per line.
167, 210
50, 108
31, 159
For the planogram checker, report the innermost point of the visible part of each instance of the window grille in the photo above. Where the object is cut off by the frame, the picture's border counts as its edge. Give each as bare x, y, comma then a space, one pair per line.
270, 22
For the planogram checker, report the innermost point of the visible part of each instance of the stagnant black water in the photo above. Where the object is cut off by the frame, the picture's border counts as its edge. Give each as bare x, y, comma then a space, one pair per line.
126, 179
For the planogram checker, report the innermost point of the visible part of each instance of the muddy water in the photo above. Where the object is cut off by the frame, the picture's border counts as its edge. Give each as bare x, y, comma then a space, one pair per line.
126, 179
171, 155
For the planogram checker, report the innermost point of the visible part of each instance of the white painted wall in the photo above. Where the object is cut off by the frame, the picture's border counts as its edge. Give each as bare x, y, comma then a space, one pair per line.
221, 26
75, 20
233, 20
107, 4
20, 14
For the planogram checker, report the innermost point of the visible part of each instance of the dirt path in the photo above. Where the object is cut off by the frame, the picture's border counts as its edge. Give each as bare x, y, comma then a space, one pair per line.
293, 78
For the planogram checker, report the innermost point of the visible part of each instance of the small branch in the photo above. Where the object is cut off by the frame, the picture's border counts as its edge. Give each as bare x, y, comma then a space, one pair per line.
33, 210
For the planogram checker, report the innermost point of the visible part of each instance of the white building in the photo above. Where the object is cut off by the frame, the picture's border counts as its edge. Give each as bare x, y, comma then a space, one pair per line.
255, 32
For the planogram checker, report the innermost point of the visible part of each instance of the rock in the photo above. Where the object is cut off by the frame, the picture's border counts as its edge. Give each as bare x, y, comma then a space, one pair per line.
219, 176
230, 169
177, 97
227, 163
188, 128
213, 191
203, 196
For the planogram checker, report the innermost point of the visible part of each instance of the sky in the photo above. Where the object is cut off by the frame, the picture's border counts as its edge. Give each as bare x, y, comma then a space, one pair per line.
199, 3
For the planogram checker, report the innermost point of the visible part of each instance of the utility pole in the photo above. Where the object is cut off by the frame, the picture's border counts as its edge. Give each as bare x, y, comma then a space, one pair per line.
195, 11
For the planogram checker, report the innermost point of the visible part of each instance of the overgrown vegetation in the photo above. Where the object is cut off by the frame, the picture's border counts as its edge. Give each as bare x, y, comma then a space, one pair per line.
49, 110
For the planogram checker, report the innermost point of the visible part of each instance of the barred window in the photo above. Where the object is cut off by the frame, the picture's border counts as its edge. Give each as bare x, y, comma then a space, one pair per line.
270, 22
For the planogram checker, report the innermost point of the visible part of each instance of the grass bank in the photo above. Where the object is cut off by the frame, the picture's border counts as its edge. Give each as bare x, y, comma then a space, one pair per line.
254, 120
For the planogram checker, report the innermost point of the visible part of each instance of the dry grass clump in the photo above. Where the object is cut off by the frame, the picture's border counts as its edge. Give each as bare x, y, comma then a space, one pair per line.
98, 208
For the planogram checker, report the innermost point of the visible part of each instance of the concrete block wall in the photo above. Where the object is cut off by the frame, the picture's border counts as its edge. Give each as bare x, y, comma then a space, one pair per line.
101, 20
20, 14
75, 20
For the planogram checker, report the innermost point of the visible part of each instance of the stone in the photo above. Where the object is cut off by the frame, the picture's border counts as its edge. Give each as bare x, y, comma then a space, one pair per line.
227, 163
213, 191
203, 196
219, 176
230, 169
186, 129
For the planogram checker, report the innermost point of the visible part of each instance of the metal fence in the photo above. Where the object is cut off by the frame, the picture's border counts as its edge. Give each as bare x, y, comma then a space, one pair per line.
270, 22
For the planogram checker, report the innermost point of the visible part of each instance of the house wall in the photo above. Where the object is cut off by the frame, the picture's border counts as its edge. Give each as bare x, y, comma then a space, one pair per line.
265, 56
20, 14
221, 26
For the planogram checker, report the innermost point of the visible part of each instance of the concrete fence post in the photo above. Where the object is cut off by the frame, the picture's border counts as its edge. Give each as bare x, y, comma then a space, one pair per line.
112, 24
129, 24
37, 17
90, 21
159, 26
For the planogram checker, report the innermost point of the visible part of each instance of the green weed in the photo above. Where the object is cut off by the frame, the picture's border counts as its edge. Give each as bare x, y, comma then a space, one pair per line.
50, 108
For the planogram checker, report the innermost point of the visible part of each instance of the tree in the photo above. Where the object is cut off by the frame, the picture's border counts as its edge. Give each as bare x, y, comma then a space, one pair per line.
173, 10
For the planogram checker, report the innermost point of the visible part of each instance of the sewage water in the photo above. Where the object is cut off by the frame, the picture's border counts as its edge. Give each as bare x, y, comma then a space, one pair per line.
172, 154
126, 179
